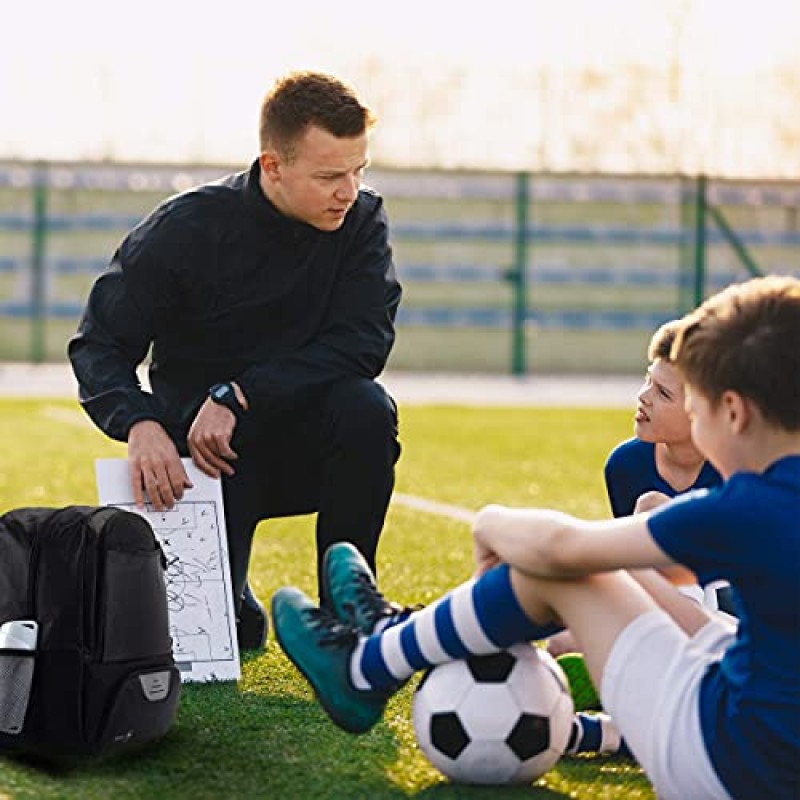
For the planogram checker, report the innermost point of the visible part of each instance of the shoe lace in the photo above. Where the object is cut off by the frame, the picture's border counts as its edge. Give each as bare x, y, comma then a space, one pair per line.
373, 605
369, 600
333, 632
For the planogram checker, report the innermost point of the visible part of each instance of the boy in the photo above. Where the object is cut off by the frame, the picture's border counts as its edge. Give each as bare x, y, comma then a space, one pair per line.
661, 457
709, 710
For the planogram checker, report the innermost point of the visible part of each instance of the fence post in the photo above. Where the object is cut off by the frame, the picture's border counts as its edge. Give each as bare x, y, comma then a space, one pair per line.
700, 240
686, 277
519, 307
38, 240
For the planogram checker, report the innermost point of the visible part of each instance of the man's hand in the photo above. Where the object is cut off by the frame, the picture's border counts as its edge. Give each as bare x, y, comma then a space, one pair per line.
210, 437
155, 465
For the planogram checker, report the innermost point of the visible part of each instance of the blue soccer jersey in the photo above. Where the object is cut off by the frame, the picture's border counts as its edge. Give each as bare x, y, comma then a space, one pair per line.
747, 531
630, 471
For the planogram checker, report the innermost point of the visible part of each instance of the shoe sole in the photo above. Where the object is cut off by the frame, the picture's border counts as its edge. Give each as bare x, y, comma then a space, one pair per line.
328, 709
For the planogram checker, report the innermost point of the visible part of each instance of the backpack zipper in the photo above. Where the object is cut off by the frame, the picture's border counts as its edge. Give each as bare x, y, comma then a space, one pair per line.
33, 564
93, 563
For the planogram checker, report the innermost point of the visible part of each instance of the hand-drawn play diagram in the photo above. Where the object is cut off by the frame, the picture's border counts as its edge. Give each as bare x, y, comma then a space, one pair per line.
192, 536
196, 594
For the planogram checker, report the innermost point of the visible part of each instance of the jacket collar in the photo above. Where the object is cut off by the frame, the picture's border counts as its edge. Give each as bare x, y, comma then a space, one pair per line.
265, 212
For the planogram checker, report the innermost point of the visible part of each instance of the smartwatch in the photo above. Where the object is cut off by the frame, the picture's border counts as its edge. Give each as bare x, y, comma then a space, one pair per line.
225, 395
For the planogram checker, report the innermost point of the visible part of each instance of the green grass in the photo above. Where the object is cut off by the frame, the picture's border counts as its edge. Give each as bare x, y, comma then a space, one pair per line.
266, 736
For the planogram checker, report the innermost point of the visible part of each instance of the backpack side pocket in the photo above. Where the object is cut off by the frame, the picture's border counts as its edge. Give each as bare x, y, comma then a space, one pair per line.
16, 679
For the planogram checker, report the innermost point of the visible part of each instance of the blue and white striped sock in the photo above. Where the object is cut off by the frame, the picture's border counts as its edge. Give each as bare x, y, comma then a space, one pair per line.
596, 733
389, 622
477, 618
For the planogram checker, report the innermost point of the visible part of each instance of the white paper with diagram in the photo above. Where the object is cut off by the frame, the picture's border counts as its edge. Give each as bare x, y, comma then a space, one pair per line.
199, 594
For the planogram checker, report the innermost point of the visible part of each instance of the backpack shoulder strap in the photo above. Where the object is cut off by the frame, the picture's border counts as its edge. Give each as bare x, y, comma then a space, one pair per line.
129, 531
98, 518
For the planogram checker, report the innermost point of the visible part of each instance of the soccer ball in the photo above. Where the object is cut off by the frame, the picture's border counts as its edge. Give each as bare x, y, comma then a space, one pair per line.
502, 718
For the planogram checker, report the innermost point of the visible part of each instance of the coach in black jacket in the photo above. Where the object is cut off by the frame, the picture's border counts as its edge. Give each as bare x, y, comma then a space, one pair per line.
268, 299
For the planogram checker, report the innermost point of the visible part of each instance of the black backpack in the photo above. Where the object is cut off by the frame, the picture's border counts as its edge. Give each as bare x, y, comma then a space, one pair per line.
101, 678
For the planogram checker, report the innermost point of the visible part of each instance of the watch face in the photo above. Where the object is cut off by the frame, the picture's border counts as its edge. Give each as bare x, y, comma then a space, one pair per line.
220, 392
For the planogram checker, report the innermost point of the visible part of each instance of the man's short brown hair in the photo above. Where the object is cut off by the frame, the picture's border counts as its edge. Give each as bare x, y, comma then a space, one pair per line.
746, 339
300, 99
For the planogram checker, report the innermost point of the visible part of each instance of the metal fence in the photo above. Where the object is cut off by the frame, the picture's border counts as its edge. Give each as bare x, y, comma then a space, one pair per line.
502, 272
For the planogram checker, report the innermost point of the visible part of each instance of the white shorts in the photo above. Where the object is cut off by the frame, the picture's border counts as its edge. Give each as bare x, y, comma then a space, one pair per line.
705, 596
651, 688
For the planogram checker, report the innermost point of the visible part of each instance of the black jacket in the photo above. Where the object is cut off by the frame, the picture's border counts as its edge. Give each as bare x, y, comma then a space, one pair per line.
224, 287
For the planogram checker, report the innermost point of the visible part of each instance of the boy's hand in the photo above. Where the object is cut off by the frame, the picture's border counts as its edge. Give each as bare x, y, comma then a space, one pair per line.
650, 500
485, 557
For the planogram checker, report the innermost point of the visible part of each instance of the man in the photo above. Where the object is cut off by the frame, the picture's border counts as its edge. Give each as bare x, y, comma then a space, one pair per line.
268, 299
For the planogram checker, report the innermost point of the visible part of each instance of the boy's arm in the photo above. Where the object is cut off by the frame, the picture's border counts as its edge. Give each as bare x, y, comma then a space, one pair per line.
550, 544
676, 574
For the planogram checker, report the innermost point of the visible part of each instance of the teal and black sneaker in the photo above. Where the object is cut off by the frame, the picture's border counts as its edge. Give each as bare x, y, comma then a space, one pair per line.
350, 588
321, 647
581, 687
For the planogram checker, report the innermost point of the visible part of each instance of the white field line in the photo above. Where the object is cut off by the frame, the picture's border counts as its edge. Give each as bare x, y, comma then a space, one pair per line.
71, 416
434, 507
